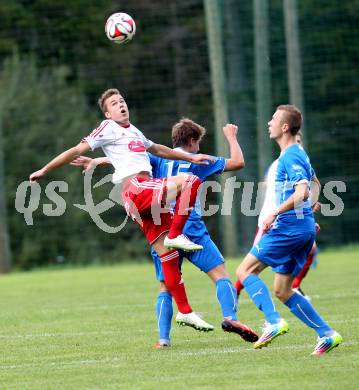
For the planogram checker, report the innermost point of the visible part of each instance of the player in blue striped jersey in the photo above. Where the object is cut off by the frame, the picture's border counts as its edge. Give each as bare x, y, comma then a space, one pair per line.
289, 235
186, 137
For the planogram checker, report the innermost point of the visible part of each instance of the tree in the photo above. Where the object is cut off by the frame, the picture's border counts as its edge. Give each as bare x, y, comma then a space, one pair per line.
43, 116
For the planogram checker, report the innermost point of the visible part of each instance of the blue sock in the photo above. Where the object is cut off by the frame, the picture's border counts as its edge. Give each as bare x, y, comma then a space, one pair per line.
227, 298
303, 310
260, 295
164, 313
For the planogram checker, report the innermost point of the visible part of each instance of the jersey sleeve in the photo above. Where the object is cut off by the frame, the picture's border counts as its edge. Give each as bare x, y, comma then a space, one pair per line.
214, 167
148, 143
100, 136
297, 169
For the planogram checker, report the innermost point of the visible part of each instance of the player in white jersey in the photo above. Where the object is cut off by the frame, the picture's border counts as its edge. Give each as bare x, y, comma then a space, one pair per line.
187, 135
145, 198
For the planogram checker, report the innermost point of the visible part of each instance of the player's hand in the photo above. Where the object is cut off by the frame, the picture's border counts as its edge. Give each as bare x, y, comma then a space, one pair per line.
317, 228
87, 163
316, 207
230, 130
36, 176
202, 159
268, 222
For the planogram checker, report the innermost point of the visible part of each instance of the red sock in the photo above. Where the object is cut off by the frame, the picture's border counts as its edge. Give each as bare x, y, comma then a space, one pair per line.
238, 286
298, 280
173, 280
184, 204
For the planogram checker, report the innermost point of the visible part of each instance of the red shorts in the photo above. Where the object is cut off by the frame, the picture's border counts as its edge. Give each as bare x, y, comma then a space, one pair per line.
144, 202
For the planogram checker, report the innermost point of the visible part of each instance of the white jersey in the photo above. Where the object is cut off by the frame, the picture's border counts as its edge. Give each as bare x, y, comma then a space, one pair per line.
125, 147
269, 203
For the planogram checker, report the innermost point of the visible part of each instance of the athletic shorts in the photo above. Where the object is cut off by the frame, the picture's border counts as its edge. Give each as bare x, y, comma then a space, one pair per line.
144, 202
206, 259
286, 246
258, 235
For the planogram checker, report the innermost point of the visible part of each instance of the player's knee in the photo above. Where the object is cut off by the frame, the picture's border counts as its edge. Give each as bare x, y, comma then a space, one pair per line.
278, 293
218, 272
189, 180
249, 266
183, 177
241, 272
282, 294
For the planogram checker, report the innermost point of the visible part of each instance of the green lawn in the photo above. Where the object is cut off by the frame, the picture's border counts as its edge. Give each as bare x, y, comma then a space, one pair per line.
94, 328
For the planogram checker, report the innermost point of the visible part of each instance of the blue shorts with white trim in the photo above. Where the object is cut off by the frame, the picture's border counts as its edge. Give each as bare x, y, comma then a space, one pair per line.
206, 259
286, 246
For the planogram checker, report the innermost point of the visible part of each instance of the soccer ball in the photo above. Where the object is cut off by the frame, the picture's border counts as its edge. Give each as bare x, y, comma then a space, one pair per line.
120, 28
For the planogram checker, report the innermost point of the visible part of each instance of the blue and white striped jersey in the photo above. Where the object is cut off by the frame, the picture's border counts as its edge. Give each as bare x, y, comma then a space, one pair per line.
194, 227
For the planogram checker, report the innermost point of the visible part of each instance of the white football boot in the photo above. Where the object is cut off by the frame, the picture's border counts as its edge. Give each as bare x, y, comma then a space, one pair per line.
194, 321
182, 242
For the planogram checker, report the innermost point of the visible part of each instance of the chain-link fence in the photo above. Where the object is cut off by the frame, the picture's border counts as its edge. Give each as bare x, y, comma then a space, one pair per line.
56, 60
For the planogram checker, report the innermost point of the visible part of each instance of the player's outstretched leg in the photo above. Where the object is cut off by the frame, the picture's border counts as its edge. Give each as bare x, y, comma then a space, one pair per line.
227, 298
327, 343
275, 325
184, 205
303, 310
194, 321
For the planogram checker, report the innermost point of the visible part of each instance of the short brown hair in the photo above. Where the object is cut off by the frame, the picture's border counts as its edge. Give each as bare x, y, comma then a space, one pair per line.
292, 116
108, 93
185, 130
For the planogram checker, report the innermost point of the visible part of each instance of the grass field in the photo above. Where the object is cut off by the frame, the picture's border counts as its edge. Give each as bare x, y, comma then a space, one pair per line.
94, 328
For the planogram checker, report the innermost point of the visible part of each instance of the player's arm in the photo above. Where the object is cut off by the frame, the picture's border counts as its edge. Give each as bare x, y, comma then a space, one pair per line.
300, 194
236, 159
170, 154
62, 159
314, 194
88, 163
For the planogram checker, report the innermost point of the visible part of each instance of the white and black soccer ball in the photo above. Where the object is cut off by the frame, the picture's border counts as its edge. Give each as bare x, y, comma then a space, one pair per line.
120, 28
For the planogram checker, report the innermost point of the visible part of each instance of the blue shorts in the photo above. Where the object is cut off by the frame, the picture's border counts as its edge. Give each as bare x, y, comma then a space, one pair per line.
206, 259
286, 247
